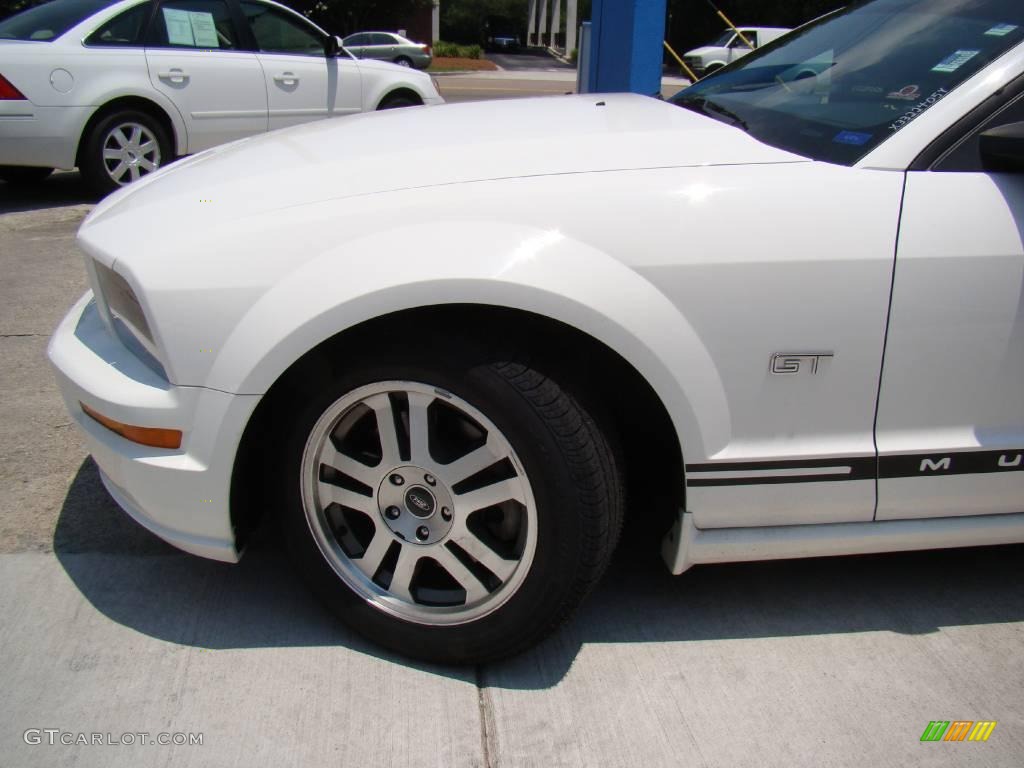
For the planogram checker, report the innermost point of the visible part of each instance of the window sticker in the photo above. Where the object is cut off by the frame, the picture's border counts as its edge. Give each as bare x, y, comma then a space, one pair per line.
1001, 30
852, 137
191, 28
906, 93
954, 61
203, 29
179, 28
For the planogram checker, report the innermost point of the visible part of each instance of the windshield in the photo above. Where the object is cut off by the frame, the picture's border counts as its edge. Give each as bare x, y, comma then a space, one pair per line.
836, 88
49, 21
723, 41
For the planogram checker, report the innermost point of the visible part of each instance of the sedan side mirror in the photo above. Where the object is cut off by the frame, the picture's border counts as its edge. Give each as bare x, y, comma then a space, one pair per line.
1002, 148
333, 46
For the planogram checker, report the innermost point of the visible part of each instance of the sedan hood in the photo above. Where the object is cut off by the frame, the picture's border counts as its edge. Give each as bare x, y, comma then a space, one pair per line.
425, 147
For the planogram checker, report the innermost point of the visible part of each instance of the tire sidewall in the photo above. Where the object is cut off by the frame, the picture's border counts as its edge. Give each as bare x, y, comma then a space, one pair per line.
541, 598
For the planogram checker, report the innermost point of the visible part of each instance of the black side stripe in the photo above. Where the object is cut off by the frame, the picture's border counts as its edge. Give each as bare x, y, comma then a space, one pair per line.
854, 468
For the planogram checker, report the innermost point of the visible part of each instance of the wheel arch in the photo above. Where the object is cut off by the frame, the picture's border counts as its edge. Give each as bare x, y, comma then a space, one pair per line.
609, 387
398, 93
175, 130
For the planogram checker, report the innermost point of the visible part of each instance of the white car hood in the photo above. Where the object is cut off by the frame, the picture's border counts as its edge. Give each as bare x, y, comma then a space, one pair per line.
422, 147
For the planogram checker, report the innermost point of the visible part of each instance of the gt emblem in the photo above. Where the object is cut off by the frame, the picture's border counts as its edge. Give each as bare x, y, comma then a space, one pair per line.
790, 363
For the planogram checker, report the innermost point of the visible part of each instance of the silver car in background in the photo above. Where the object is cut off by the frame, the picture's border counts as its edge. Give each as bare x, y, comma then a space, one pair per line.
388, 46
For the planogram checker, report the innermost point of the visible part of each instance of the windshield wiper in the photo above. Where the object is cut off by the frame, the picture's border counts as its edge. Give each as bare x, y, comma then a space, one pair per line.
717, 111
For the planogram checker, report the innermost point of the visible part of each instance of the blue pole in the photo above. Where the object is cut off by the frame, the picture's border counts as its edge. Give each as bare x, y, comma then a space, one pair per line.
626, 46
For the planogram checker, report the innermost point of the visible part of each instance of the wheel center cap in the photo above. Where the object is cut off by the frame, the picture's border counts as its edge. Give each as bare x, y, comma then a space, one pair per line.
420, 502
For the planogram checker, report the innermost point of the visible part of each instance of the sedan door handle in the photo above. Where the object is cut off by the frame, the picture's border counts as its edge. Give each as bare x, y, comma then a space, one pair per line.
286, 78
174, 74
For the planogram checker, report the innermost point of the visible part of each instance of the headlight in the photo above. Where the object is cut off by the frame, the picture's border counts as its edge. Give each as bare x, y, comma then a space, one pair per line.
127, 319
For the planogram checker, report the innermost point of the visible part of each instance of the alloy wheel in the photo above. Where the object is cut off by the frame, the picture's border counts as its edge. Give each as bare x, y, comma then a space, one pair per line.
419, 503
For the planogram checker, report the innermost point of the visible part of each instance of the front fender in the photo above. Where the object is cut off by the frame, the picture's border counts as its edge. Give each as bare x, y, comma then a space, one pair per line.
536, 270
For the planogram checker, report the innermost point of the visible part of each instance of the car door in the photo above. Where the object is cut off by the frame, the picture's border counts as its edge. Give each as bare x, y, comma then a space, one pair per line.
197, 58
951, 411
381, 46
738, 48
302, 83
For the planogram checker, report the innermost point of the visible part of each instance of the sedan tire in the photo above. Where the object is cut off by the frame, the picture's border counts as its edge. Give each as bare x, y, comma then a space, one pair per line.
451, 509
123, 147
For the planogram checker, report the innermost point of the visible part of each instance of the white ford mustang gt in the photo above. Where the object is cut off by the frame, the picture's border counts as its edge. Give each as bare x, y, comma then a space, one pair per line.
119, 88
781, 315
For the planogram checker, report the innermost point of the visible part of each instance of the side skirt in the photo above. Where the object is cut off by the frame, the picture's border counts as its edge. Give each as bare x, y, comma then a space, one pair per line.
686, 545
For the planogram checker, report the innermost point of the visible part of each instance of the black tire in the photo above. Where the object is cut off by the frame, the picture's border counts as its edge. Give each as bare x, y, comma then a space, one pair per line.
573, 473
23, 175
399, 100
403, 61
91, 160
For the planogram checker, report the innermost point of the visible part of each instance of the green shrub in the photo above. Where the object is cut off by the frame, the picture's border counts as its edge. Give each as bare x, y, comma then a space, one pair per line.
446, 50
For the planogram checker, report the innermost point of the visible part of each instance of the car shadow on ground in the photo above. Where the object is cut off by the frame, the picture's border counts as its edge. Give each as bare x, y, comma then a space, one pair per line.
142, 583
60, 189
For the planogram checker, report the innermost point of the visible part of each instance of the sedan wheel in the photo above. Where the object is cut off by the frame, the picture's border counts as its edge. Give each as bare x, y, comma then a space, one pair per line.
122, 148
444, 515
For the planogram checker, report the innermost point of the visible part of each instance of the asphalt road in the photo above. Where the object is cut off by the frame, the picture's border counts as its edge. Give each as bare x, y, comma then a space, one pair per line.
106, 630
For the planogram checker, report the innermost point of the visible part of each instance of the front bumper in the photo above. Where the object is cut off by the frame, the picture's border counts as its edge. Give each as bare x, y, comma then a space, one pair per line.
183, 495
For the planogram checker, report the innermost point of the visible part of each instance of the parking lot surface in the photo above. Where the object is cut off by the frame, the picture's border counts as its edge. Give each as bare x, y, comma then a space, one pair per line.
106, 630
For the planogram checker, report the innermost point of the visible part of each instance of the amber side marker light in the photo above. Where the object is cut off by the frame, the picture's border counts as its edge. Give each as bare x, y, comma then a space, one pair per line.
151, 436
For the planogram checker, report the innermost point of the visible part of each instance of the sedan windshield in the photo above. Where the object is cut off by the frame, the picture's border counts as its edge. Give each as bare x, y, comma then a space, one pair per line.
836, 88
49, 21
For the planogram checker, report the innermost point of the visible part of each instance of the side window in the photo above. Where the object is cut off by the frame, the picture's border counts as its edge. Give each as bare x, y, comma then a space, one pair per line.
378, 38
278, 32
737, 41
355, 40
193, 24
965, 156
124, 29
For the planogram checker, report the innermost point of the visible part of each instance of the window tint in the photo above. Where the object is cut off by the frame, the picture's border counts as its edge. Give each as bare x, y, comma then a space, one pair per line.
378, 38
835, 89
124, 29
279, 32
48, 22
203, 24
353, 40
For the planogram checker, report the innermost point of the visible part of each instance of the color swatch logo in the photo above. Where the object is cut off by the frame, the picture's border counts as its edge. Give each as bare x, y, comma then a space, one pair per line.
958, 730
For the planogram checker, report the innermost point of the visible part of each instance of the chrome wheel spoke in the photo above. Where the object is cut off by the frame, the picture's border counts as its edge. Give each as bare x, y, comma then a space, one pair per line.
484, 555
148, 146
489, 495
471, 584
136, 136
419, 437
109, 153
371, 559
381, 405
118, 171
475, 461
401, 581
118, 135
134, 171
147, 165
348, 466
333, 494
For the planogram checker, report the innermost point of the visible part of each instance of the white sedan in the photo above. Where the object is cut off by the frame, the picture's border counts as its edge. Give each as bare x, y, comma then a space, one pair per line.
119, 88
778, 316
